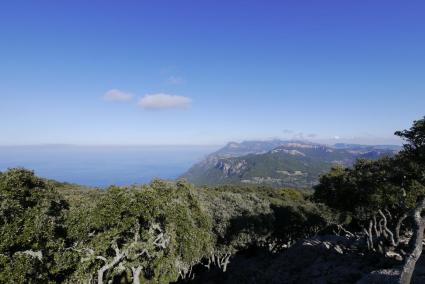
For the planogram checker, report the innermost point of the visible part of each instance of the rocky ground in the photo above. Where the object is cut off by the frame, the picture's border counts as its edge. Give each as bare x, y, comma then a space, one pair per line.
325, 259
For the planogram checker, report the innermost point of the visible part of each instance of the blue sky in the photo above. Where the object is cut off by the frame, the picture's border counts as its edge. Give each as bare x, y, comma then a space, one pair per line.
207, 72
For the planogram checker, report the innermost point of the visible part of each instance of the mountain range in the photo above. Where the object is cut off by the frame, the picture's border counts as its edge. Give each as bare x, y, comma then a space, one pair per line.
279, 163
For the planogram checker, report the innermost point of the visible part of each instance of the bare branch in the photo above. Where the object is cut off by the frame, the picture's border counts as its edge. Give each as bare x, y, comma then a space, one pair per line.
345, 230
102, 258
137, 232
398, 226
35, 254
386, 230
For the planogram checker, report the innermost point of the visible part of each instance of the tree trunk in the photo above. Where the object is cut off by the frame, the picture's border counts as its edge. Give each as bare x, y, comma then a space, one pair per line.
100, 273
136, 274
398, 226
118, 257
226, 262
415, 244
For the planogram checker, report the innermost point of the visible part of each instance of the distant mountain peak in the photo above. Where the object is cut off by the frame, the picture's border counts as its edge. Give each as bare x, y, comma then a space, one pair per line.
232, 145
293, 163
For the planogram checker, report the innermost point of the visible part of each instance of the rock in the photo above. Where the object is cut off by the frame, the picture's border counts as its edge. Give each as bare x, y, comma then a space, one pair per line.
231, 167
323, 259
338, 249
382, 276
394, 255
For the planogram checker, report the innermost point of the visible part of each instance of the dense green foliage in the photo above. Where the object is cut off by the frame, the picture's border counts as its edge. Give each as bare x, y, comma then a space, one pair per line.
385, 199
393, 183
32, 228
259, 216
158, 227
53, 232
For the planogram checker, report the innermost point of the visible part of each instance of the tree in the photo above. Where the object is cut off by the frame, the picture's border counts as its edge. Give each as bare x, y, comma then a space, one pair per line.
31, 228
413, 155
379, 196
150, 233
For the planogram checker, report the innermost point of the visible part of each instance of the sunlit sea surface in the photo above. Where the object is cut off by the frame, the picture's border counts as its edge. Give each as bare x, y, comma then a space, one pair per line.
101, 166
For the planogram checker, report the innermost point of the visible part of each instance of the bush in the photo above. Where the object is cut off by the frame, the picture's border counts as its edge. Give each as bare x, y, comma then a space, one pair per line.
31, 227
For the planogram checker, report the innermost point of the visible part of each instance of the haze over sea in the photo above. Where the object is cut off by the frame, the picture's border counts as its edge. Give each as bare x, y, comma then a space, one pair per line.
101, 166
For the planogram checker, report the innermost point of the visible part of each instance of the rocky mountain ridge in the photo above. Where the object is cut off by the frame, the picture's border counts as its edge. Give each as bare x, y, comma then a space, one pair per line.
279, 163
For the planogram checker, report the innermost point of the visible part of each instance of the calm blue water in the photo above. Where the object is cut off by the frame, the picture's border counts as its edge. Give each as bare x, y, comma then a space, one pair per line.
103, 165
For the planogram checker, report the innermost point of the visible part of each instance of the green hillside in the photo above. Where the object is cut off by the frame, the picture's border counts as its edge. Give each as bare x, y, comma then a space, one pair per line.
293, 163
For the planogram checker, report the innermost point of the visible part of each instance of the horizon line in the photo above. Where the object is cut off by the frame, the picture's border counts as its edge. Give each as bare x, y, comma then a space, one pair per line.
318, 141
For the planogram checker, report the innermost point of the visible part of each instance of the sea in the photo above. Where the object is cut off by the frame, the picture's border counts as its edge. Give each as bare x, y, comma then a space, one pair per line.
102, 166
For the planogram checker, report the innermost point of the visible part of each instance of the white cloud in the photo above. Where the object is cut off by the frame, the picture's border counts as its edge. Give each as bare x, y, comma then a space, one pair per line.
164, 101
174, 80
115, 95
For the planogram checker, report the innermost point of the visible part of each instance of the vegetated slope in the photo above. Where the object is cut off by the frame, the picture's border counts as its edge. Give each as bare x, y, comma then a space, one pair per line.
76, 194
279, 163
154, 233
